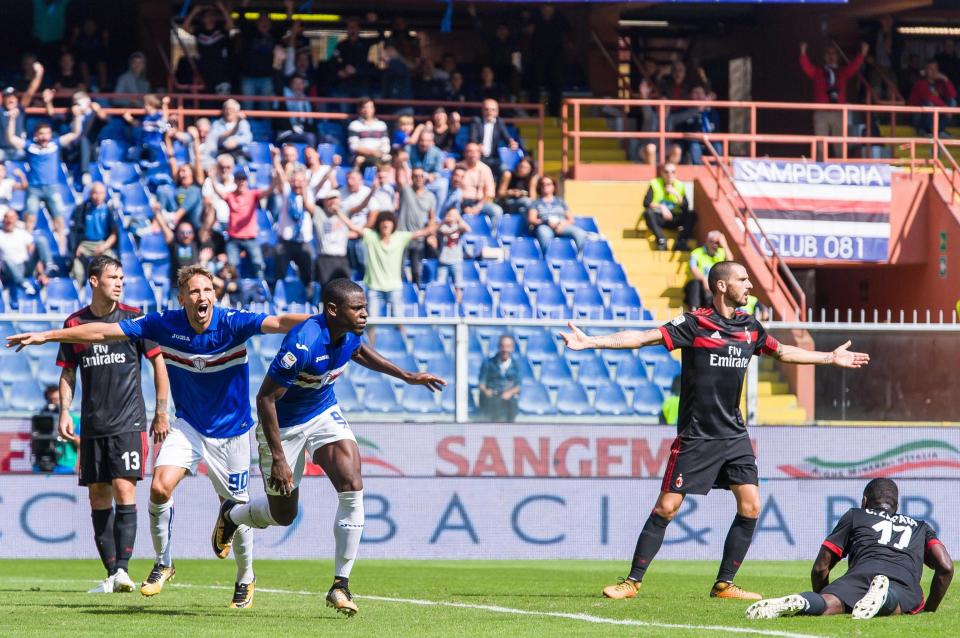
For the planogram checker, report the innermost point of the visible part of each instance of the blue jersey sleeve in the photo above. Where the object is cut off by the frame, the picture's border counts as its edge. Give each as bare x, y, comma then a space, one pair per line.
293, 356
143, 327
245, 324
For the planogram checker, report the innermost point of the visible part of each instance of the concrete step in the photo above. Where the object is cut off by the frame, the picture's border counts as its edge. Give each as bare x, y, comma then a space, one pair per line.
767, 388
773, 416
778, 402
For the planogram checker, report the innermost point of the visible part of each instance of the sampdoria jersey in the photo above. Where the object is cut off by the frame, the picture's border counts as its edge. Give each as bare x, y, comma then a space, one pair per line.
307, 364
878, 542
209, 375
109, 376
716, 352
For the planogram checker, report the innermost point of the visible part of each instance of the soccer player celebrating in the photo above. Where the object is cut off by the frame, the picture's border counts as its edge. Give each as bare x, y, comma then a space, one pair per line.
112, 420
205, 350
712, 448
886, 552
298, 411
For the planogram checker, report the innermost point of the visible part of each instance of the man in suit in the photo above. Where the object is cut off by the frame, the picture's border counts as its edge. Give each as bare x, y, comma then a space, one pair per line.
490, 132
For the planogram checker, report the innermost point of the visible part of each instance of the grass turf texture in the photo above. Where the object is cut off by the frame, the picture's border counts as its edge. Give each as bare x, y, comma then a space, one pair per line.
48, 597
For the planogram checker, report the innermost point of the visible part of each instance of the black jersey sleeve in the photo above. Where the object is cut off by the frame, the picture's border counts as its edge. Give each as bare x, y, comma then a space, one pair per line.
67, 357
930, 538
839, 538
679, 332
764, 344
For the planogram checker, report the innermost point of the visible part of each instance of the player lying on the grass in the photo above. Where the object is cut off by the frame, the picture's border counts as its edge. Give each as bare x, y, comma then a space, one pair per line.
712, 448
298, 411
113, 419
205, 350
885, 554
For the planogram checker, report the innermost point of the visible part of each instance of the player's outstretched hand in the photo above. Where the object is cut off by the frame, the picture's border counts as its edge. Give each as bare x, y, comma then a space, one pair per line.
576, 340
843, 358
25, 339
159, 427
281, 478
432, 381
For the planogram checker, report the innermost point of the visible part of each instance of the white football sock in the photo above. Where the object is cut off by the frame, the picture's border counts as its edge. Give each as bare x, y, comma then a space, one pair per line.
161, 522
256, 513
347, 530
243, 553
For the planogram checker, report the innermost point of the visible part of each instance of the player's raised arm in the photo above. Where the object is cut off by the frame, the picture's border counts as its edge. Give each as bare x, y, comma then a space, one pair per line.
940, 562
283, 323
370, 358
281, 477
576, 339
840, 357
94, 332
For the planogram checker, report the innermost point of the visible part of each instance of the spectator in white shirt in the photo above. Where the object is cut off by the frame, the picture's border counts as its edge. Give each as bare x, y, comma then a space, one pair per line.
368, 137
231, 132
216, 212
333, 237
19, 259
490, 132
295, 223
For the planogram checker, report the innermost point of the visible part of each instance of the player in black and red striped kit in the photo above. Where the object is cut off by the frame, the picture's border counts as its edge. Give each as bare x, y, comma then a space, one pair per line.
113, 420
712, 448
885, 552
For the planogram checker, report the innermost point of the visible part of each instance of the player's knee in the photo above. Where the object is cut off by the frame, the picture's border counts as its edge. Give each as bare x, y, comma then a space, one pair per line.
353, 484
666, 510
159, 492
286, 517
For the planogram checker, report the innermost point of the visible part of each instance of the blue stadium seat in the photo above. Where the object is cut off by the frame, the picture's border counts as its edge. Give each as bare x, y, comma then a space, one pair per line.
378, 396
525, 252
559, 250
625, 304
541, 346
347, 395
554, 372
30, 303
440, 301
405, 362
589, 224
473, 342
62, 296
647, 400
592, 372
653, 355
664, 372
597, 252
573, 275
14, 367
269, 345
258, 369
474, 244
631, 374
427, 345
474, 363
361, 377
122, 173
389, 342
290, 295
537, 275
478, 224
409, 301
110, 153
610, 275
508, 158
476, 301
534, 399
259, 152
153, 249
417, 399
572, 400
588, 304
132, 266
326, 153
514, 302
138, 293
500, 274
611, 401
26, 395
552, 303
615, 358
127, 245
510, 227
255, 296
448, 400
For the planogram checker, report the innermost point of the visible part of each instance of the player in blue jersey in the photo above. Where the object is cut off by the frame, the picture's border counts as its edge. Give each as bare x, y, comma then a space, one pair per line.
298, 411
205, 350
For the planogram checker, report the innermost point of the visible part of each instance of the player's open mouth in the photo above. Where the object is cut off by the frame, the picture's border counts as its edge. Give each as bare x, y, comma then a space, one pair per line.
202, 309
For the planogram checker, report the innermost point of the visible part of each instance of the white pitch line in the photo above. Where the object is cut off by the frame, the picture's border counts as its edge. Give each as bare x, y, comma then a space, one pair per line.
497, 609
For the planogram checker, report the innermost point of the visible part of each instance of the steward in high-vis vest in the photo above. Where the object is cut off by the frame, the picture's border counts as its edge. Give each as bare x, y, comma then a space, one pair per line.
755, 307
696, 292
666, 206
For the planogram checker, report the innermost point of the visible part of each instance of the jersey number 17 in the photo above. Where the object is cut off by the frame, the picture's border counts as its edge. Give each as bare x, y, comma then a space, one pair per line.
886, 529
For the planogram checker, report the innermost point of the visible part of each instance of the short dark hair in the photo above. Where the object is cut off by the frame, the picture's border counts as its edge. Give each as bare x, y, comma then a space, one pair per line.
719, 272
882, 493
363, 101
100, 263
384, 216
42, 125
337, 290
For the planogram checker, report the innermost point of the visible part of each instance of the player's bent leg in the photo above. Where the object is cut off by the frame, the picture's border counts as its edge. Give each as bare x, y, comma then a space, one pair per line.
165, 480
880, 600
776, 607
738, 540
125, 530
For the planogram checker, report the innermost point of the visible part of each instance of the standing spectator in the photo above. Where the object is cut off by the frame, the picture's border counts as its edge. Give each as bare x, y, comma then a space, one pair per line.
243, 202
479, 188
43, 159
456, 92
10, 184
321, 178
445, 128
696, 119
19, 258
489, 88
639, 149
186, 248
368, 138
403, 133
675, 86
425, 154
517, 187
257, 41
549, 217
830, 87
696, 292
230, 133
49, 25
947, 60
549, 40
499, 384
134, 80
356, 206
350, 59
490, 132
11, 109
665, 206
93, 231
185, 200
153, 127
396, 83
418, 209
68, 77
933, 89
296, 130
93, 120
405, 42
454, 198
213, 44
501, 48
216, 212
295, 223
333, 236
450, 260
90, 44
427, 85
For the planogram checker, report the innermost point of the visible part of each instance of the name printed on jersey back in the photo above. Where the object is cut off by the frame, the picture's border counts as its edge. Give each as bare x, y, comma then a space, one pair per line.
897, 519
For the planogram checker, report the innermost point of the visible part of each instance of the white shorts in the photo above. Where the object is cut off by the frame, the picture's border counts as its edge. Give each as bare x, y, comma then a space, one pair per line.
228, 460
327, 427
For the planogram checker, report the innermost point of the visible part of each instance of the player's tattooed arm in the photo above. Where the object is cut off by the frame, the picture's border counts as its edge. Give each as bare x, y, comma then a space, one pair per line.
283, 323
68, 381
820, 574
93, 332
370, 358
940, 562
281, 477
840, 357
623, 340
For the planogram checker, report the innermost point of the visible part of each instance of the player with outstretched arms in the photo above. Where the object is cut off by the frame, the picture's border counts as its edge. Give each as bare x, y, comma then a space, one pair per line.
712, 448
885, 552
205, 350
113, 419
298, 411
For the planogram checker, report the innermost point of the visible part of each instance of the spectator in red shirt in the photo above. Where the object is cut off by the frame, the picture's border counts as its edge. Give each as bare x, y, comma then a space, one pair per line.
830, 87
242, 227
933, 89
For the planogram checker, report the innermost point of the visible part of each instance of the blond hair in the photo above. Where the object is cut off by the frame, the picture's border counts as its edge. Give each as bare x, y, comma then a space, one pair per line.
185, 274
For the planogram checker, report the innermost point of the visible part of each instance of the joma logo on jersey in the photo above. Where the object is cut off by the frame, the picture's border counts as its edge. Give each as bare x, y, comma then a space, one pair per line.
180, 337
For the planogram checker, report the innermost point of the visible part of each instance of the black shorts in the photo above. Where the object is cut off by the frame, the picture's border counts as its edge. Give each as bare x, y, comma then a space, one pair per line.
105, 458
698, 465
852, 586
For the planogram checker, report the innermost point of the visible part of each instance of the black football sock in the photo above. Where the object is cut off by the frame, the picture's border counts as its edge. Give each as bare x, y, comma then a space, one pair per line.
648, 544
125, 533
816, 605
736, 546
103, 535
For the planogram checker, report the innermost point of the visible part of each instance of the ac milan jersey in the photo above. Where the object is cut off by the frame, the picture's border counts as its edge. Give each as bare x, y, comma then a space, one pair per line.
109, 376
878, 542
307, 364
715, 355
209, 374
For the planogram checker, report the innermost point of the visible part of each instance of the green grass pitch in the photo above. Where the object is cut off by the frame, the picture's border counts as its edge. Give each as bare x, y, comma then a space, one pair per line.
513, 599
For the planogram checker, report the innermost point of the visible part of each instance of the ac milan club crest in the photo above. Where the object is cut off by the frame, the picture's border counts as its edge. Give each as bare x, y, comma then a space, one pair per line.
679, 482
199, 363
